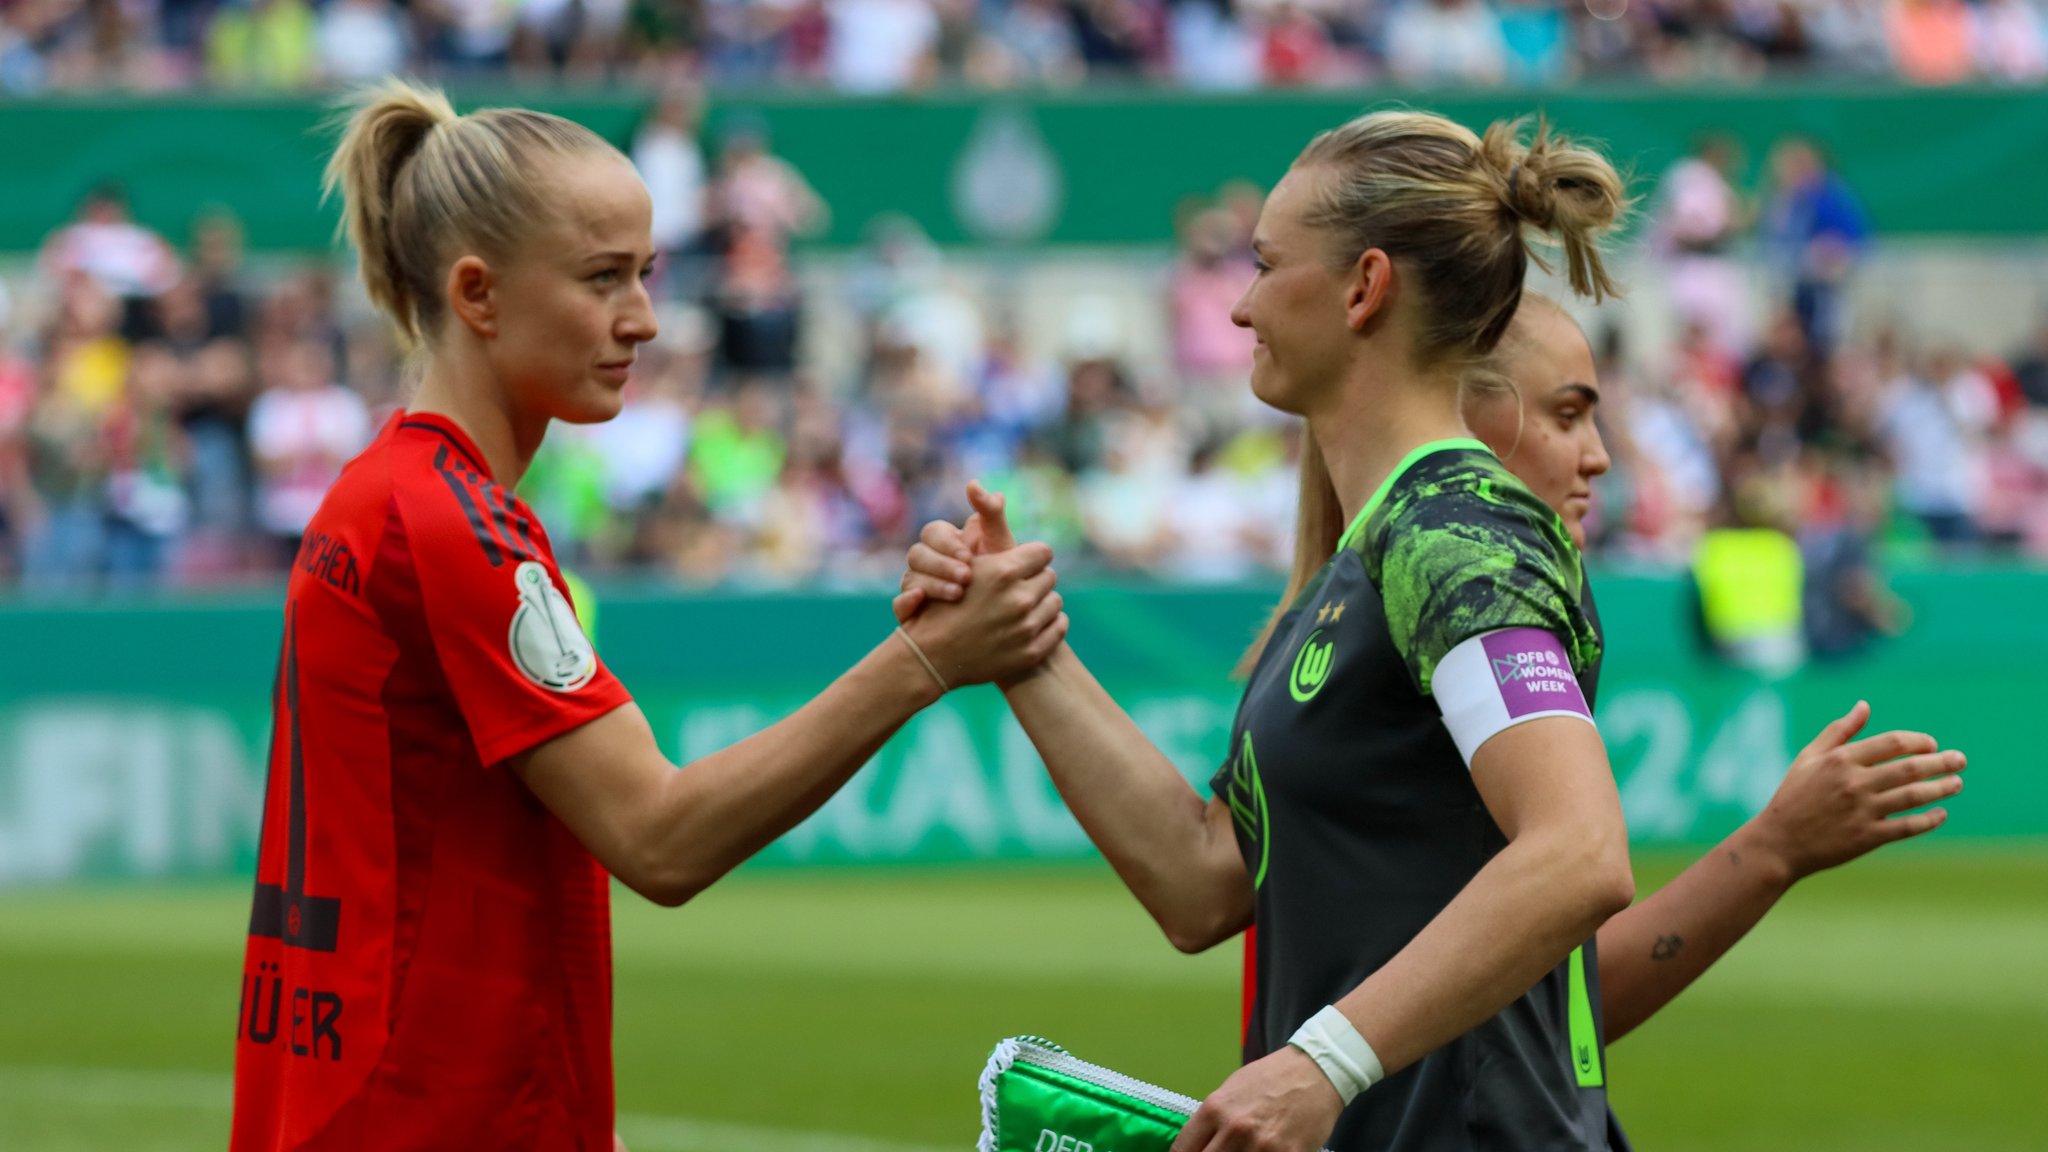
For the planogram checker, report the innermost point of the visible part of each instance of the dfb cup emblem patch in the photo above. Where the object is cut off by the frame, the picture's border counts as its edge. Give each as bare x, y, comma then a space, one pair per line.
547, 643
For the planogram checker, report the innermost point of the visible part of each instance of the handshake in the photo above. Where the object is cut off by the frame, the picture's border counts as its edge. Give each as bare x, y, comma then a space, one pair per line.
976, 606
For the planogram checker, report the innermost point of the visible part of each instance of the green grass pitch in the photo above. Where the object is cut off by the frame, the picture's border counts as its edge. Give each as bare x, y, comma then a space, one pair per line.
1900, 1003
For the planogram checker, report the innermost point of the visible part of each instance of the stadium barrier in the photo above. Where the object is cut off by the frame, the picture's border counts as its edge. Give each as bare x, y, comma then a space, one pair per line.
1096, 167
132, 737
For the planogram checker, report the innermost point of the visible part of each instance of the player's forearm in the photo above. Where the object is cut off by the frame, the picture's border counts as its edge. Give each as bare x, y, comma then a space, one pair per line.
1150, 825
1541, 897
1655, 950
725, 807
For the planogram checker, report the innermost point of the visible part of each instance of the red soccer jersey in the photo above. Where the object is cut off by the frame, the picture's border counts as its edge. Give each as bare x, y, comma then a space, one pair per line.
429, 958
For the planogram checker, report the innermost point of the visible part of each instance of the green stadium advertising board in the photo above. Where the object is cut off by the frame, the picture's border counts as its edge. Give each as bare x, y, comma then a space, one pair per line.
1087, 168
132, 738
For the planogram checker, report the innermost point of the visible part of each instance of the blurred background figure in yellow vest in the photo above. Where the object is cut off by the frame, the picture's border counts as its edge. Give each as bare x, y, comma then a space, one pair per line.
1750, 580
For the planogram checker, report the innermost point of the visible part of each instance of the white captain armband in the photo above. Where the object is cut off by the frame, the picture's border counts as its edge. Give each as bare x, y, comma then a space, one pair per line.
1494, 681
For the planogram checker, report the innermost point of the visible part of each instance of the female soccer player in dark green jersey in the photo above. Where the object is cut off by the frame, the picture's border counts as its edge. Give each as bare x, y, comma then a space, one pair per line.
1533, 403
1417, 810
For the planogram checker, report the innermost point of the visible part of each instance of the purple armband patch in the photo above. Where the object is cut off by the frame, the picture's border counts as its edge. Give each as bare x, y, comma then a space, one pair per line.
1533, 673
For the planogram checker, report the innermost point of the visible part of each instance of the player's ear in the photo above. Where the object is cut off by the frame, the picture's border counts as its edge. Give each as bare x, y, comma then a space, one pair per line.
473, 295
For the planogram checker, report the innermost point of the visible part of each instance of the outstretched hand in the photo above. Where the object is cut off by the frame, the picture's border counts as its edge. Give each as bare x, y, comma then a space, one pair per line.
940, 565
1840, 800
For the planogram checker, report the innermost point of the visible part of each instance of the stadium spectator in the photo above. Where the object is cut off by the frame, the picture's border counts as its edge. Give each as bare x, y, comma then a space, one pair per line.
666, 154
1295, 49
736, 453
1212, 356
302, 428
207, 399
880, 45
758, 203
896, 45
473, 37
1699, 219
1815, 227
122, 257
1933, 41
262, 44
1210, 534
2030, 367
1119, 39
147, 458
17, 406
1038, 44
1931, 455
361, 40
1539, 39
2011, 43
217, 271
1446, 42
1210, 47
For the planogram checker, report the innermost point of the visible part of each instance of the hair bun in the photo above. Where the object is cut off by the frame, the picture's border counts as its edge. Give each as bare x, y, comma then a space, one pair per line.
1560, 188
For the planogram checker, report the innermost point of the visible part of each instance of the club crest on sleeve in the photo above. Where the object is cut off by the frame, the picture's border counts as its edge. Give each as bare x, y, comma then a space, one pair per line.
547, 643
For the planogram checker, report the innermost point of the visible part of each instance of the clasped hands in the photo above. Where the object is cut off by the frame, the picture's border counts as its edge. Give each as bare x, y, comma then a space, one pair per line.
981, 606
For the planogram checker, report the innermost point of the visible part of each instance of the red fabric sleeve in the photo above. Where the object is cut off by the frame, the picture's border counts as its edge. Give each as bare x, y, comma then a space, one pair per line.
518, 664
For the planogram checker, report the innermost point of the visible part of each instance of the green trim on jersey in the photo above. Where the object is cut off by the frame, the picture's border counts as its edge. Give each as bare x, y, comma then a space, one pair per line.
1373, 502
1246, 795
1585, 1034
1460, 547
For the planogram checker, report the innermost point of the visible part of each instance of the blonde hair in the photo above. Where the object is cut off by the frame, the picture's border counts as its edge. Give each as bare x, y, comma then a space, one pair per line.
1456, 210
420, 184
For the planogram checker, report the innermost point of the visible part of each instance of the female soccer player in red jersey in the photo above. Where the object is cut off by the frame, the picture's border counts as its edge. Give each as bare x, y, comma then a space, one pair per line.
454, 771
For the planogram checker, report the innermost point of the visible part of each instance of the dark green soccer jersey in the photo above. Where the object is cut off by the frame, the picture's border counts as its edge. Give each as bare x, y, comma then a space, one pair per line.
1358, 818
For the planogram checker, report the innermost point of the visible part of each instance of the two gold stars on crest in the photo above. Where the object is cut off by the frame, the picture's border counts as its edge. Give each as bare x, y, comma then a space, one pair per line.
1330, 613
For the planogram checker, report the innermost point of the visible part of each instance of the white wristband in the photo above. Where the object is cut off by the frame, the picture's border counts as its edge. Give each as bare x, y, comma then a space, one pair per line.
1334, 1044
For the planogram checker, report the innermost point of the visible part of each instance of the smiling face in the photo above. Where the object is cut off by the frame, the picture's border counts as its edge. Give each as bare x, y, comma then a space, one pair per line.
572, 306
1295, 305
1549, 440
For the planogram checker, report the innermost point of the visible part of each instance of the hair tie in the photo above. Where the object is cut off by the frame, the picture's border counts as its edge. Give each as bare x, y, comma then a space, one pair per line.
1515, 181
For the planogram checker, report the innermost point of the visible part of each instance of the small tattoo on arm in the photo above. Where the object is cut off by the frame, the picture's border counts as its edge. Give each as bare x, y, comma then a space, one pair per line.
1666, 947
1735, 857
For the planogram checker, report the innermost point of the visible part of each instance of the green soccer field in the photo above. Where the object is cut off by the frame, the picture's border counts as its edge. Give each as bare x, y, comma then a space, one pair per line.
1898, 1004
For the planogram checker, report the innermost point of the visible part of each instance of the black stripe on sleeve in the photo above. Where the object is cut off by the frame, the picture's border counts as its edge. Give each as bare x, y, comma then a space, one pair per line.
509, 515
469, 508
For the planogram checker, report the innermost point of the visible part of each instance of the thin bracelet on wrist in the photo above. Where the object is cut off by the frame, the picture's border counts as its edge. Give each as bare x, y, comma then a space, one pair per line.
924, 660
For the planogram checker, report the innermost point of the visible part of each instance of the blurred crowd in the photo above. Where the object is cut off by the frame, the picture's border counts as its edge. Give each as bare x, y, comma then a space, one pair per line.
880, 46
168, 418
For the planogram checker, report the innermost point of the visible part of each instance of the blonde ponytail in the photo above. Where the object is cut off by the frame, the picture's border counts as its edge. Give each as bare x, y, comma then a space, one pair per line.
420, 185
388, 124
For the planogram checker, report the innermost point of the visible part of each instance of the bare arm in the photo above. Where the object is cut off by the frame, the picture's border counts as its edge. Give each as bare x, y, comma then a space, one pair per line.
669, 834
1838, 801
1565, 870
1176, 852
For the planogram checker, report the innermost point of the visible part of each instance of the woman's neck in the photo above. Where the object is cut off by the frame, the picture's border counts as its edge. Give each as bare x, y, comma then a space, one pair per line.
1369, 427
460, 391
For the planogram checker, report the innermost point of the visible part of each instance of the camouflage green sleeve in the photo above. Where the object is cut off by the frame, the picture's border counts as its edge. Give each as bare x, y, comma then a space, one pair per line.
1465, 552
